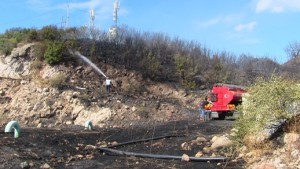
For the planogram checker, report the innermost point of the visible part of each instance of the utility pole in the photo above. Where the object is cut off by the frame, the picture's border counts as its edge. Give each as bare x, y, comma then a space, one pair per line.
92, 21
113, 31
115, 14
67, 20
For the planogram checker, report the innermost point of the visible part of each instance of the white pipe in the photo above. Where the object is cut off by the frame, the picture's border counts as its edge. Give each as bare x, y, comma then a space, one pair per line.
88, 125
13, 126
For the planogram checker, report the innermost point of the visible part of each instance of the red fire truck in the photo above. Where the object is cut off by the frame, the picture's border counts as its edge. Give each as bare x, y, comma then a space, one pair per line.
225, 98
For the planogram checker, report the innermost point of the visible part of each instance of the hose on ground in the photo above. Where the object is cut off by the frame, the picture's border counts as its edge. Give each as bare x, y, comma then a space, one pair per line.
143, 140
157, 156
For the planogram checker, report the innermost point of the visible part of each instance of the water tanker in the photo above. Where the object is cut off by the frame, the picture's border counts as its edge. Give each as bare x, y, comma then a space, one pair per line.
225, 98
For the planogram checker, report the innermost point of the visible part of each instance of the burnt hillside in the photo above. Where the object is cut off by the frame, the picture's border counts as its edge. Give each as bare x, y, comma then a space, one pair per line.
156, 56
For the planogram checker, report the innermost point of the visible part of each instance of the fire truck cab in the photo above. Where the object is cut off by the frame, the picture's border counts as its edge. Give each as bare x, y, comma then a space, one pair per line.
224, 99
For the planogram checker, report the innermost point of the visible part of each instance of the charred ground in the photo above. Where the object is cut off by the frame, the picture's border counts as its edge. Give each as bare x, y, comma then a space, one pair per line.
73, 147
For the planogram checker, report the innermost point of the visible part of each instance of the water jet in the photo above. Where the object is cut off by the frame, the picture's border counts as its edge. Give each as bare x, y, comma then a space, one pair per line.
86, 60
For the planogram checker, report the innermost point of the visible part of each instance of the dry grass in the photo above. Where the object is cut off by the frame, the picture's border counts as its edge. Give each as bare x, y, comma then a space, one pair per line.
36, 77
57, 80
256, 151
36, 65
293, 126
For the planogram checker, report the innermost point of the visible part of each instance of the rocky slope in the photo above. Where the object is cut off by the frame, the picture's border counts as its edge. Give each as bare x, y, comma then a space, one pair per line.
74, 93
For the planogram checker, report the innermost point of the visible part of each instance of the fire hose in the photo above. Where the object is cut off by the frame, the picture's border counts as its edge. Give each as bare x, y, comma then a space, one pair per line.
157, 156
108, 149
143, 140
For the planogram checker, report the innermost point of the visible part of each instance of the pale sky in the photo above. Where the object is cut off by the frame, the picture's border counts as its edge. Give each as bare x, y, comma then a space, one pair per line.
261, 28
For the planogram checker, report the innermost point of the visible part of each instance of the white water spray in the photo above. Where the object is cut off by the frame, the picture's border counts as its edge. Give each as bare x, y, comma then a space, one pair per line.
88, 62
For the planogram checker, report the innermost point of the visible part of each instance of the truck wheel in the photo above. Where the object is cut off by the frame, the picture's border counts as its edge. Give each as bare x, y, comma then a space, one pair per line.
222, 116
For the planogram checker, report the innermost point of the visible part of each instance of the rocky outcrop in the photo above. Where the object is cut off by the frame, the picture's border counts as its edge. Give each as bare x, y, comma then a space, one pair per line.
17, 64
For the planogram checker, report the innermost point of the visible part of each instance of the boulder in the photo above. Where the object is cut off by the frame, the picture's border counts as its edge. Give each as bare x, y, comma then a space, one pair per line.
220, 142
97, 115
185, 158
199, 154
185, 146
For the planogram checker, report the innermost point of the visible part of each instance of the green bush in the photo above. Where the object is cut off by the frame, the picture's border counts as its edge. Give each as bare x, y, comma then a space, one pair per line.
13, 36
181, 65
50, 33
54, 52
7, 45
189, 83
18, 34
32, 36
267, 102
186, 71
151, 66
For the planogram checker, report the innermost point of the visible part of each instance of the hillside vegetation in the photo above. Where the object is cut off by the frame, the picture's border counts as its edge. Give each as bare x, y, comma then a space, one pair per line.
268, 129
155, 55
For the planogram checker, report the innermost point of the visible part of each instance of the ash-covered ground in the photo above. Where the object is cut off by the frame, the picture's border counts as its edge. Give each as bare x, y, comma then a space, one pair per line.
75, 148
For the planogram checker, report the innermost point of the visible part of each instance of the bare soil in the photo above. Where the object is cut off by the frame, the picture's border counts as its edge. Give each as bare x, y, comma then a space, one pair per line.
73, 147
